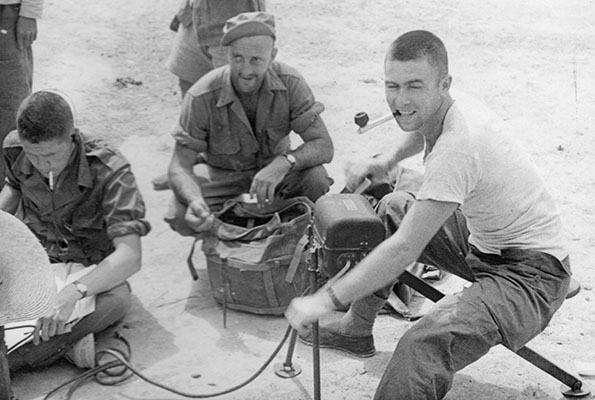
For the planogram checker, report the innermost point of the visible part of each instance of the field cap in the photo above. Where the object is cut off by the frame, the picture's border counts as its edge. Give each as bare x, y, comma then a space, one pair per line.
27, 283
248, 24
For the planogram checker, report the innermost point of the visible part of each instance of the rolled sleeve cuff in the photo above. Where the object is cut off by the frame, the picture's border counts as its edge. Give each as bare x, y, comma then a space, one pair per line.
184, 139
305, 120
31, 9
140, 227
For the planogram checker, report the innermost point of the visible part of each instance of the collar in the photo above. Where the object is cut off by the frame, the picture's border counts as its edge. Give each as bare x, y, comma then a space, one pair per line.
439, 125
84, 171
84, 177
271, 83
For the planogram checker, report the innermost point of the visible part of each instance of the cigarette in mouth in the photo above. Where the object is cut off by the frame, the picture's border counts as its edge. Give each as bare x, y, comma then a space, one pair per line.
51, 180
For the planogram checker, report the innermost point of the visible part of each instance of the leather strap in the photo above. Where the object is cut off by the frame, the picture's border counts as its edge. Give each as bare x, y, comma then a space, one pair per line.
295, 260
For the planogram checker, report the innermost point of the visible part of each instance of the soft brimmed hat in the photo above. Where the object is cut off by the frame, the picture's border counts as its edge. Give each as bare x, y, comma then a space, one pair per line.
248, 24
27, 283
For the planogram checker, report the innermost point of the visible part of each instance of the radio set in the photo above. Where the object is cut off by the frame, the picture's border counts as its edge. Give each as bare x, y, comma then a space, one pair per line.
345, 230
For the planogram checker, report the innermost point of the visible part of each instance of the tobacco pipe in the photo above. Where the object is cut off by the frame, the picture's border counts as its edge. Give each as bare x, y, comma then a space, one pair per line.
361, 119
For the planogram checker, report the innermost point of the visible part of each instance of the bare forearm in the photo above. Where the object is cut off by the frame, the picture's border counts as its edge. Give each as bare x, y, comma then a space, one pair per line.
184, 185
387, 261
317, 148
181, 175
120, 265
313, 153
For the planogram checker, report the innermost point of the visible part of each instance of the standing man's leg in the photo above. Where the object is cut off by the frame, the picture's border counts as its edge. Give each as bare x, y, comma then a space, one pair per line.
16, 74
189, 62
216, 55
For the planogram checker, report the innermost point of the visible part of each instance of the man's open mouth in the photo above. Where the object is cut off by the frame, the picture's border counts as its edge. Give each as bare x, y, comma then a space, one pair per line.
399, 113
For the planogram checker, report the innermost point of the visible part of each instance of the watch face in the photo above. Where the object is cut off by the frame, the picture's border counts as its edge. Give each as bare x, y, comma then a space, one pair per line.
291, 159
82, 288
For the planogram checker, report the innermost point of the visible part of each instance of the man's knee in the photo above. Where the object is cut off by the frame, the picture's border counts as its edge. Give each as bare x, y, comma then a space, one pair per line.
110, 307
315, 182
393, 207
115, 301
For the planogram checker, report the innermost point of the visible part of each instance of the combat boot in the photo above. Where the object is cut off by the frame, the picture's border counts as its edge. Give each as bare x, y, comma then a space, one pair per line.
352, 333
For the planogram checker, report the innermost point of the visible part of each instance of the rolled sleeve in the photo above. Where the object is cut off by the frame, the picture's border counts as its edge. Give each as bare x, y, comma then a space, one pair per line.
31, 9
304, 108
307, 119
10, 178
123, 205
193, 129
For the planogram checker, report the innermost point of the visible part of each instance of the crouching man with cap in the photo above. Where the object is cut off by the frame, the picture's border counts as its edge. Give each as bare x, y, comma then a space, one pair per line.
79, 197
238, 119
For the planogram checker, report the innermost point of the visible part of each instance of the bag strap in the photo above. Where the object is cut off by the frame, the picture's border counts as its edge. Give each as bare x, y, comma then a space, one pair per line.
295, 260
190, 263
253, 210
269, 287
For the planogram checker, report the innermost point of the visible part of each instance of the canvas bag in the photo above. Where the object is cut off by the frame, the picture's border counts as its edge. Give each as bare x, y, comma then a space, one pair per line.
255, 257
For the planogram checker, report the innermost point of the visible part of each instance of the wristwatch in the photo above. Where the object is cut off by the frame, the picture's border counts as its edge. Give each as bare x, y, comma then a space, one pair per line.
81, 288
290, 159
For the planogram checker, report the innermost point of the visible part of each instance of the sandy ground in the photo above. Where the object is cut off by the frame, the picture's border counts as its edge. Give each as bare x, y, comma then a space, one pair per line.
531, 61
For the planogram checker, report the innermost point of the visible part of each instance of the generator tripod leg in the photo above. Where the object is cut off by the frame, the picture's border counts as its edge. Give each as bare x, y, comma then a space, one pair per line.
572, 386
288, 369
316, 360
313, 272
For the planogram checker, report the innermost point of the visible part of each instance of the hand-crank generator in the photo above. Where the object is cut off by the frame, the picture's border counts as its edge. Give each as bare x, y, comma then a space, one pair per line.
346, 229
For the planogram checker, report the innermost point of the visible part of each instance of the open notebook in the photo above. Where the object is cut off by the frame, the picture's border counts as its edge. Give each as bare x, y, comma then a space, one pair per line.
65, 274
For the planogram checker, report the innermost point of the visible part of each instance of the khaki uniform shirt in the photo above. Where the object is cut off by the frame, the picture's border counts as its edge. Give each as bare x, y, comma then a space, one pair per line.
29, 8
213, 115
95, 199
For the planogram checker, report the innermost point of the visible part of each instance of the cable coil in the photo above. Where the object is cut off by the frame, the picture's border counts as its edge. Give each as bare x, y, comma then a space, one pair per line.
121, 369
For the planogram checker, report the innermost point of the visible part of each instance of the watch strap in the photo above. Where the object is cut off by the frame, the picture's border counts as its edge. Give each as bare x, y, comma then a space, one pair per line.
290, 159
81, 288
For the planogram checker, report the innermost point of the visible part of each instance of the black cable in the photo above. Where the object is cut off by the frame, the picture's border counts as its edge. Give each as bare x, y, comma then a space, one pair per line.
23, 340
128, 368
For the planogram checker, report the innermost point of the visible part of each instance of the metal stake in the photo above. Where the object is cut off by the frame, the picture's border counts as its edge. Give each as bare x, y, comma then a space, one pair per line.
288, 369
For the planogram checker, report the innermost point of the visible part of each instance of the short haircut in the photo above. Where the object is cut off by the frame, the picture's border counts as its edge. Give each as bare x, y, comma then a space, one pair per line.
418, 44
44, 116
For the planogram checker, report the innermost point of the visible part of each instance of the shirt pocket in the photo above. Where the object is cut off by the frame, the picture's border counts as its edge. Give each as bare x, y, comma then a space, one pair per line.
277, 138
222, 141
87, 220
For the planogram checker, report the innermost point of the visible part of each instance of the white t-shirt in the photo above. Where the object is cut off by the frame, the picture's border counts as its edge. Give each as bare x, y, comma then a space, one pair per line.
504, 200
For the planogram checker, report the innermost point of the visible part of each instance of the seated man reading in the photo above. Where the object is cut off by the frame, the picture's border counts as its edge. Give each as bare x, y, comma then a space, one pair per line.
80, 198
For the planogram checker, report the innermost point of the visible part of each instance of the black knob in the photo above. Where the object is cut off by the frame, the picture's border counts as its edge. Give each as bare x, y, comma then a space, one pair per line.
361, 119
